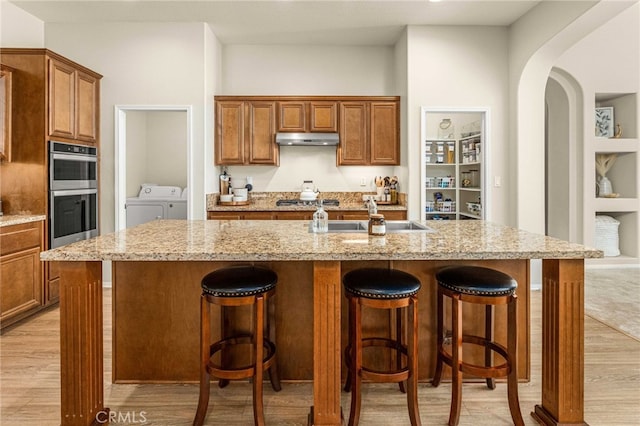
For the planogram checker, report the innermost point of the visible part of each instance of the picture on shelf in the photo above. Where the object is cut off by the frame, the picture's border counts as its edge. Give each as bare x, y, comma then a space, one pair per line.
604, 122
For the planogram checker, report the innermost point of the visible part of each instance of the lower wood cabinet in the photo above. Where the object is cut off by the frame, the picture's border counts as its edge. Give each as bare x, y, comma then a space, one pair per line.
302, 215
21, 289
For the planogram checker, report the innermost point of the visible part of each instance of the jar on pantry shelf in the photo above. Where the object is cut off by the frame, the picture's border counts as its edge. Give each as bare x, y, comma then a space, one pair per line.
377, 226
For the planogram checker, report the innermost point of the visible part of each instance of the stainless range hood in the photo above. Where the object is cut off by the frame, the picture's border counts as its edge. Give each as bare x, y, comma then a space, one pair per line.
307, 139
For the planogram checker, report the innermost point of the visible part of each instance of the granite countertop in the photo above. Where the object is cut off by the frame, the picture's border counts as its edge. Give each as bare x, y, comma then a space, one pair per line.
277, 240
266, 201
18, 219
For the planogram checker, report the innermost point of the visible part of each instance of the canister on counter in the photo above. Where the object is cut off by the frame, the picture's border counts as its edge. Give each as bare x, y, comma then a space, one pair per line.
377, 226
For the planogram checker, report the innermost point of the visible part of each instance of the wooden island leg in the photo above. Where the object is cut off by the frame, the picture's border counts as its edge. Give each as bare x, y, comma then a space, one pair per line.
326, 344
562, 343
81, 353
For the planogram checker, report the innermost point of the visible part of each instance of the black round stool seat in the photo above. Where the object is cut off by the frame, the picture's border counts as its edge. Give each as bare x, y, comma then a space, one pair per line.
239, 281
476, 280
380, 283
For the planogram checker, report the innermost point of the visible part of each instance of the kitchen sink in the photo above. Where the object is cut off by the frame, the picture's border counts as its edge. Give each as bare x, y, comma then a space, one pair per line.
393, 226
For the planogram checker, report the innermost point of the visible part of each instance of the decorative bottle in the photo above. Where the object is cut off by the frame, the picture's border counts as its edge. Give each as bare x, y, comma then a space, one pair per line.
320, 219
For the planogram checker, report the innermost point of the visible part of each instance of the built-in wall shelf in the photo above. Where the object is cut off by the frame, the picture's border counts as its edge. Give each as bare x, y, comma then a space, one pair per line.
624, 176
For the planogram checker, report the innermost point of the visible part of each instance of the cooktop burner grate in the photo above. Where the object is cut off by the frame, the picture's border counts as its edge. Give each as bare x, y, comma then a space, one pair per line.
297, 202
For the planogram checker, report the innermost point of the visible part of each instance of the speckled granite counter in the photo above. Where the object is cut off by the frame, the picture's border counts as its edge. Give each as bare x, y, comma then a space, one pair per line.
18, 219
157, 268
178, 240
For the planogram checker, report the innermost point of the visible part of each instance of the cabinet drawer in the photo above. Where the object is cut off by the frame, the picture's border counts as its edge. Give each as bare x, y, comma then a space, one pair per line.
20, 237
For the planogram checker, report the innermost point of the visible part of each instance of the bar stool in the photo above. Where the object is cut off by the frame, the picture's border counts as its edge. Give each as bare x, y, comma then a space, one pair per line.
474, 284
390, 289
234, 286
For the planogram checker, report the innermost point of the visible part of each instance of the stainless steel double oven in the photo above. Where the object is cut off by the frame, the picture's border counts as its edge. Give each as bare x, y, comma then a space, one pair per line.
73, 193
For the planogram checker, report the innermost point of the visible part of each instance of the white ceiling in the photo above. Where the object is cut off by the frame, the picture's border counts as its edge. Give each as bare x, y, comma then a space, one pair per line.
364, 22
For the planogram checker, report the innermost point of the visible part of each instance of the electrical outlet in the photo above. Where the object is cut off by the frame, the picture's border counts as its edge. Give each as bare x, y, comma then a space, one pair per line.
363, 181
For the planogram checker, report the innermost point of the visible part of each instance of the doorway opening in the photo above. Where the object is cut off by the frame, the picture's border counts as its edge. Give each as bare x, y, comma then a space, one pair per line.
153, 146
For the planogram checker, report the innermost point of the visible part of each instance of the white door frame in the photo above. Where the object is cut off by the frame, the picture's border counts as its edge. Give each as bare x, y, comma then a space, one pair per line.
485, 112
120, 171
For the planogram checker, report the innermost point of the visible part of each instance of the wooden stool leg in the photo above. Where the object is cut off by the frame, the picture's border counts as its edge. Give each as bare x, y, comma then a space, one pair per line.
274, 376
488, 335
437, 376
456, 374
205, 341
512, 349
258, 356
224, 356
356, 362
399, 339
348, 350
412, 352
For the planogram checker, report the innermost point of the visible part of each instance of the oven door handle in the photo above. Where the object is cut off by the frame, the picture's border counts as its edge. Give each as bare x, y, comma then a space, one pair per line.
63, 192
74, 157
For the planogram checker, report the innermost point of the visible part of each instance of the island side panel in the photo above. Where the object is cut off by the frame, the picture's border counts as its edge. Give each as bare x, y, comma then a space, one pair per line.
326, 350
81, 350
160, 302
562, 343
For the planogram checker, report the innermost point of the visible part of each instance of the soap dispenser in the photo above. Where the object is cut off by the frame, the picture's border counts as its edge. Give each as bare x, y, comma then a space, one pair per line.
320, 219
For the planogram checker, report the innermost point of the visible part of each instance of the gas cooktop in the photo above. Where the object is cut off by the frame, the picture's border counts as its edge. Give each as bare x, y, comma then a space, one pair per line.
298, 202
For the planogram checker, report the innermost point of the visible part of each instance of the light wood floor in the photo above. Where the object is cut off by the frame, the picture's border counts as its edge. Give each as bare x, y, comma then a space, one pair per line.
30, 374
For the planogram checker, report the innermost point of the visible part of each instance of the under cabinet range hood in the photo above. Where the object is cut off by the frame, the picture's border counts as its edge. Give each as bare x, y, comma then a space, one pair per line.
307, 139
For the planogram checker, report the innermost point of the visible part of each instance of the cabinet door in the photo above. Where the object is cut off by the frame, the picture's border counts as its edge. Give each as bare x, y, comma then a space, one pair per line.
87, 104
52, 290
5, 113
293, 215
353, 134
323, 116
385, 134
262, 147
230, 132
21, 289
62, 98
292, 116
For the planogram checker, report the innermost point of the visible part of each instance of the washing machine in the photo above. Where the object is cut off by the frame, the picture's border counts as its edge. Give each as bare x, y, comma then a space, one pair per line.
156, 202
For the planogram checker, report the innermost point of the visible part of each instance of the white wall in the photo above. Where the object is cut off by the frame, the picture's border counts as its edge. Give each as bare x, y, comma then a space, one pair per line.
156, 149
458, 67
309, 70
18, 28
142, 64
136, 170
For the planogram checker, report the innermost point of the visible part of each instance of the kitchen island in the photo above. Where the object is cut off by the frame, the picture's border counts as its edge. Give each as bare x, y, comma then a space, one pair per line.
158, 266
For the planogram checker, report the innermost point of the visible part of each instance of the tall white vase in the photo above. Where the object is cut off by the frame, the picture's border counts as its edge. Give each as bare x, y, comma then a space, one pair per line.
604, 187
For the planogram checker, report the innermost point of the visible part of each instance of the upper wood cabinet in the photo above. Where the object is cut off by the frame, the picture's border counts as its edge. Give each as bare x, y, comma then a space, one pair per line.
307, 116
369, 133
369, 127
245, 132
73, 103
6, 93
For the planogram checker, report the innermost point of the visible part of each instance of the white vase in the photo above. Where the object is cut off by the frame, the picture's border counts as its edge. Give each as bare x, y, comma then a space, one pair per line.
604, 187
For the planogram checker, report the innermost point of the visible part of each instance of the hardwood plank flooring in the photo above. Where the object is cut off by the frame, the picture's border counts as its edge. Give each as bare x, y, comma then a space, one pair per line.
30, 395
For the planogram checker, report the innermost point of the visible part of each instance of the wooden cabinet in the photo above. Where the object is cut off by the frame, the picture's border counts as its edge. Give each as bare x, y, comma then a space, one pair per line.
245, 133
240, 215
21, 271
5, 112
53, 98
369, 133
302, 215
369, 127
307, 116
73, 103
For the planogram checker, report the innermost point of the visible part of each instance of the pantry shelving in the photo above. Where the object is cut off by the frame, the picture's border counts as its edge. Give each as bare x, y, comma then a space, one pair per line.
452, 168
